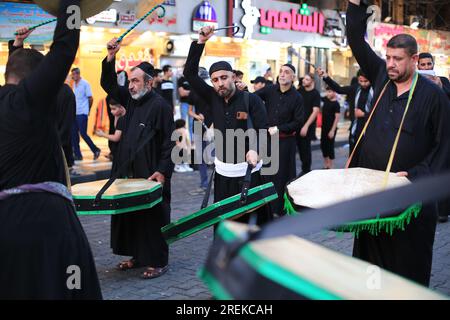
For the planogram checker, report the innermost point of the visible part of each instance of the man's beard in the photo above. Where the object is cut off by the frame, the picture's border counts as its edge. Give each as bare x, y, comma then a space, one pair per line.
140, 94
224, 92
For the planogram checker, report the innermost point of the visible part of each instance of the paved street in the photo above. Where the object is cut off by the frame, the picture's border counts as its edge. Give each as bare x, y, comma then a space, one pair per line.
187, 256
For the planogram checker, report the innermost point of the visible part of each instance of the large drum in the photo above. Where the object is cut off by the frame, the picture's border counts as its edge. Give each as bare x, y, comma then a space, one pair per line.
230, 208
123, 196
321, 188
290, 267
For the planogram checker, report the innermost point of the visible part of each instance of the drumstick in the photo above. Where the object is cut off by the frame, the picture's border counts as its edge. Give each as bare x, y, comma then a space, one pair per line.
224, 28
307, 61
291, 50
139, 21
37, 26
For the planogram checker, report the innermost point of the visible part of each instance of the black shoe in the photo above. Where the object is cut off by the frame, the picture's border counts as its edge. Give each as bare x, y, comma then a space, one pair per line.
97, 154
442, 219
78, 158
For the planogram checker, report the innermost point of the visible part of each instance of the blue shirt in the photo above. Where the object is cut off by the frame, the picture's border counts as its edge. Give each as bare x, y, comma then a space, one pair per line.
82, 92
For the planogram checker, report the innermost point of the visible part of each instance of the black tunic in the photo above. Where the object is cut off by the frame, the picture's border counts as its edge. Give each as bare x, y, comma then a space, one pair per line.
138, 234
285, 111
224, 116
311, 99
40, 234
423, 149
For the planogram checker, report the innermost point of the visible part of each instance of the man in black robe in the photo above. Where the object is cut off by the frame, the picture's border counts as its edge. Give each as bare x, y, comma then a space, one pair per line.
138, 234
45, 253
423, 148
229, 111
284, 107
360, 98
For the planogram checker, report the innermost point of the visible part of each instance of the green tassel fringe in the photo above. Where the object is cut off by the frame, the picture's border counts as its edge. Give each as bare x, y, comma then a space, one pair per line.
288, 207
373, 226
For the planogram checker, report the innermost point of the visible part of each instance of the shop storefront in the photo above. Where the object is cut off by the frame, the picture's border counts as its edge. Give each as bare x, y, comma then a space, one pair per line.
276, 32
264, 38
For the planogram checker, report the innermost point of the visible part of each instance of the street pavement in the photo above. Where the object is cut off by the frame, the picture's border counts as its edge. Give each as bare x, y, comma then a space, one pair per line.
187, 255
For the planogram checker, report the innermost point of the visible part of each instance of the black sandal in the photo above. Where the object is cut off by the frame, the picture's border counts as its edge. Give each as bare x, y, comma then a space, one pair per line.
152, 273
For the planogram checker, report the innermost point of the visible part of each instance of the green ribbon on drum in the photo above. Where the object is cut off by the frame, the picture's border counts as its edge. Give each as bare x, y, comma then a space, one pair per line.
374, 226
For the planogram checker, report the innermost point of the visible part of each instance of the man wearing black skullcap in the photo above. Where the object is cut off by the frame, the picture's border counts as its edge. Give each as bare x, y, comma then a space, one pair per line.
285, 113
230, 109
138, 234
43, 247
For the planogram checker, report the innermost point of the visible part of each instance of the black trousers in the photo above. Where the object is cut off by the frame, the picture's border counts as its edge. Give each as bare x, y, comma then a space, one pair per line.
304, 149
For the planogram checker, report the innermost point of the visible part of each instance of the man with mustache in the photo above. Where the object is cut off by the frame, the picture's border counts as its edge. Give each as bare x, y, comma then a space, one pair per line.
423, 147
231, 109
138, 234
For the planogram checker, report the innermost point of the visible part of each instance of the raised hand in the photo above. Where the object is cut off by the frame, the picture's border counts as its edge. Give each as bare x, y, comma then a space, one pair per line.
205, 34
321, 73
113, 47
22, 34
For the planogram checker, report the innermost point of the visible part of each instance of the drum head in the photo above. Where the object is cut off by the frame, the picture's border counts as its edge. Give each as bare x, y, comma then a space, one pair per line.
321, 188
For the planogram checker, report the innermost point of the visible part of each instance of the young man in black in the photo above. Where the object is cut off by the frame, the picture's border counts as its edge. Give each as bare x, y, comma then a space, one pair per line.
311, 102
360, 98
229, 112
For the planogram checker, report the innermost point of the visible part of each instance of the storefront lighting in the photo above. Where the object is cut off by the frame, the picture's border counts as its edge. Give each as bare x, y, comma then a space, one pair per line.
114, 31
84, 28
225, 40
161, 34
238, 40
304, 10
266, 30
99, 29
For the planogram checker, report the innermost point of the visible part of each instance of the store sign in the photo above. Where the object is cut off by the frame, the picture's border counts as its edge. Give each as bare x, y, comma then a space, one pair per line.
16, 15
431, 41
204, 15
314, 23
108, 16
127, 18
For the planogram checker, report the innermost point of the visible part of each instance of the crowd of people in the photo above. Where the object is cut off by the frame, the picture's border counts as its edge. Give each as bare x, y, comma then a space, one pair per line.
36, 209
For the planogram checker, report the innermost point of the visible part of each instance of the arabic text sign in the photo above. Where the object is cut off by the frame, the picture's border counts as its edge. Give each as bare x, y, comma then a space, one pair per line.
16, 15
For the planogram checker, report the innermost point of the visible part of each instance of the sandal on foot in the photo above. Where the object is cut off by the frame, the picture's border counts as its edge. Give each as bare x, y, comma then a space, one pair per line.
151, 272
127, 265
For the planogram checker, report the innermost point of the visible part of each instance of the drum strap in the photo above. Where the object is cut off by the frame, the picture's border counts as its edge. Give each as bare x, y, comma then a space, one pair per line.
386, 203
246, 184
245, 187
124, 166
